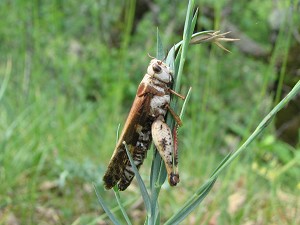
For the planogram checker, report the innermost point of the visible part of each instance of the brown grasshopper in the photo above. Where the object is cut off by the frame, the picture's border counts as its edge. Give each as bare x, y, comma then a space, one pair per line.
146, 121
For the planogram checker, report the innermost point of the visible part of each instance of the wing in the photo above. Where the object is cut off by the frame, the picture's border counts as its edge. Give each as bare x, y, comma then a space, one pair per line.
138, 118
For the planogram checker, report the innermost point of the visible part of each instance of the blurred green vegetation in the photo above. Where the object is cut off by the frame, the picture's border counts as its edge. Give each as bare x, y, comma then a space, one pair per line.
68, 75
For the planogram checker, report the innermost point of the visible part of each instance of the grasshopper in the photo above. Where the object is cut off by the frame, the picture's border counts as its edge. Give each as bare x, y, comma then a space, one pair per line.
146, 122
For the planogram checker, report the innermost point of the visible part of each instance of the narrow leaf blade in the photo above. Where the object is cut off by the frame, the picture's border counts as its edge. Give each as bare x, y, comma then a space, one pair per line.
159, 47
105, 208
117, 195
191, 204
141, 183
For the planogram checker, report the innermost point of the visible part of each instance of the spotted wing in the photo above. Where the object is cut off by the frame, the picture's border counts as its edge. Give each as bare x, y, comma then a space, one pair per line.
137, 122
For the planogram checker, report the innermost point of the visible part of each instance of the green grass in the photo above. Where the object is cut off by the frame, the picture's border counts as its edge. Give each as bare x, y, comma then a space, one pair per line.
64, 88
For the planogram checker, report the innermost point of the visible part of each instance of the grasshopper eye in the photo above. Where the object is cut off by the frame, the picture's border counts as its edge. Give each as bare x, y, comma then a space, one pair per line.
156, 68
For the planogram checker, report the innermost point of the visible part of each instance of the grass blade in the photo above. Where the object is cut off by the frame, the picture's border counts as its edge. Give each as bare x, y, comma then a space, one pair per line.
155, 169
6, 78
170, 59
263, 124
117, 195
203, 191
141, 183
193, 23
105, 208
195, 200
188, 30
191, 204
115, 209
187, 97
222, 162
159, 47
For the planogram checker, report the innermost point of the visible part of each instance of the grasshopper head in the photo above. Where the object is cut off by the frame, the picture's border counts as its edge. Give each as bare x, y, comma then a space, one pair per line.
160, 71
